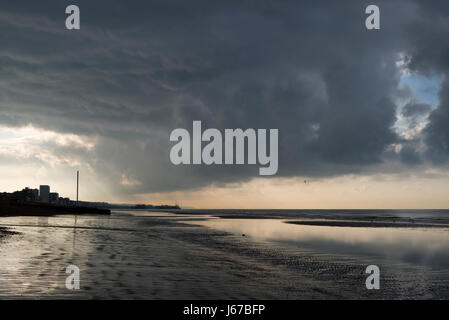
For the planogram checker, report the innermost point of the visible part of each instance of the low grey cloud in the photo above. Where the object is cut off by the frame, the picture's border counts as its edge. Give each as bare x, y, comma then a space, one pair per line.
413, 109
134, 72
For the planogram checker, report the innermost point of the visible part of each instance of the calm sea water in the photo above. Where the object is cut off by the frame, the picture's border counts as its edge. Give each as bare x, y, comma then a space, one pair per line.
230, 254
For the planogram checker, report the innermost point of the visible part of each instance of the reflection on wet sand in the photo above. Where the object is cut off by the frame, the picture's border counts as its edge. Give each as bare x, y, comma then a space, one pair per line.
414, 245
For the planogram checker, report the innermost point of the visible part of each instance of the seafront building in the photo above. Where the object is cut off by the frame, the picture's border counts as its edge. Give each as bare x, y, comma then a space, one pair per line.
26, 194
44, 193
53, 197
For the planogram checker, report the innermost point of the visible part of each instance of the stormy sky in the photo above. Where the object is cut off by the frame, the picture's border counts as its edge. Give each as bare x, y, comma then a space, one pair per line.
349, 103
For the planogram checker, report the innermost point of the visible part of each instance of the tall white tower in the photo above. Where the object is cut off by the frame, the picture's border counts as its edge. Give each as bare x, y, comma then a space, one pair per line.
77, 185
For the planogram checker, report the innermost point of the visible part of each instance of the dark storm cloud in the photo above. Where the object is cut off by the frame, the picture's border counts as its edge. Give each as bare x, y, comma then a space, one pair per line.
135, 71
437, 132
429, 54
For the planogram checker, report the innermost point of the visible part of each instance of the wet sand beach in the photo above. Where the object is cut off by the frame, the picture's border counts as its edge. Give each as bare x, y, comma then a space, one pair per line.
366, 224
155, 255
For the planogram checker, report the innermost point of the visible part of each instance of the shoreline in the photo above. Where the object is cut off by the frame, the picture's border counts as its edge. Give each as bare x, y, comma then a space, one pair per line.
333, 218
365, 224
15, 208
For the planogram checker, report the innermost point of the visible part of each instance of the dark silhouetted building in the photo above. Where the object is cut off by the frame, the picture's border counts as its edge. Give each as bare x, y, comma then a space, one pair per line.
44, 193
53, 197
